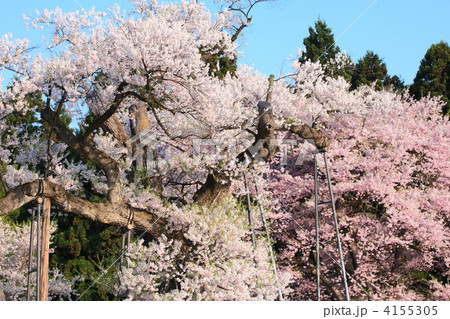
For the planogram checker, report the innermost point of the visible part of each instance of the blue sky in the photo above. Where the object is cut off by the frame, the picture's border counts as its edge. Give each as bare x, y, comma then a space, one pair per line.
399, 31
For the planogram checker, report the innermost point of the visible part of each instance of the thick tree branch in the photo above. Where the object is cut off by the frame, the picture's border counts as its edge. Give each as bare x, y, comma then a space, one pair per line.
240, 29
142, 124
310, 134
115, 128
86, 151
217, 185
98, 122
106, 213
141, 118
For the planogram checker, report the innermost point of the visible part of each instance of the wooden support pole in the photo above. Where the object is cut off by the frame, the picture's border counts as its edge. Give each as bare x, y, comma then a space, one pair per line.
270, 90
2, 295
38, 247
45, 245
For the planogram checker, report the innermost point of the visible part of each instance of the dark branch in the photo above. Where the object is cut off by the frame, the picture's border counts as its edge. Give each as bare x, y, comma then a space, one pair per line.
106, 213
240, 29
88, 152
98, 122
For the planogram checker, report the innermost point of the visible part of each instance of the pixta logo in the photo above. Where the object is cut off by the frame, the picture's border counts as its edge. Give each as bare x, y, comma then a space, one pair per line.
154, 153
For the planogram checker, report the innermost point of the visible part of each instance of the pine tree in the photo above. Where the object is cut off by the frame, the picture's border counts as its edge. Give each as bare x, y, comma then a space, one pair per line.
320, 44
369, 69
433, 74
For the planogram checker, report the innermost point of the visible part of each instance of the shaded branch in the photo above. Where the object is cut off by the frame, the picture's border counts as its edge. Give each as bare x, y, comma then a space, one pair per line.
86, 151
310, 134
105, 213
240, 29
108, 114
161, 125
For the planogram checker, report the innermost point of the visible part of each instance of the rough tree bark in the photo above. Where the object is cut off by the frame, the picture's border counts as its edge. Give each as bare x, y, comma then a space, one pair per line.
87, 151
117, 214
114, 211
217, 185
141, 123
113, 126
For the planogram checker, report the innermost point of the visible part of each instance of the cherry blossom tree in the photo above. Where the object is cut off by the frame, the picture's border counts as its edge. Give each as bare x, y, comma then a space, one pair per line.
390, 174
134, 73
150, 106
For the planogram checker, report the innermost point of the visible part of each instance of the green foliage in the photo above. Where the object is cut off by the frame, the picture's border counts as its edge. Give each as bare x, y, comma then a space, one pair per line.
25, 120
219, 64
320, 44
394, 82
84, 249
370, 69
18, 216
433, 76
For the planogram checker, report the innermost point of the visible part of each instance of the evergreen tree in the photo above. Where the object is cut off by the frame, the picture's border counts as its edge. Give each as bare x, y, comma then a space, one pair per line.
433, 74
369, 69
320, 44
84, 249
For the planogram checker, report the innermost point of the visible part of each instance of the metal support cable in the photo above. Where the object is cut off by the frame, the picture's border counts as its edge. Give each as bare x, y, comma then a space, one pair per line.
249, 210
336, 227
269, 241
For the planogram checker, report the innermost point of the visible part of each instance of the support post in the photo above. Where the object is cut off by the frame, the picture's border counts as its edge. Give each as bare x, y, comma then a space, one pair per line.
2, 295
336, 227
249, 210
122, 252
269, 242
30, 255
38, 247
45, 245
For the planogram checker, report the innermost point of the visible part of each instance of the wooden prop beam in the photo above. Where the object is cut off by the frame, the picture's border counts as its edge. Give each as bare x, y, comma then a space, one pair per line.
45, 245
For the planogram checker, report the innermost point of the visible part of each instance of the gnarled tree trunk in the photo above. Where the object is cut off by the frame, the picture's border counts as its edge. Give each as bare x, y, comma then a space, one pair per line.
265, 146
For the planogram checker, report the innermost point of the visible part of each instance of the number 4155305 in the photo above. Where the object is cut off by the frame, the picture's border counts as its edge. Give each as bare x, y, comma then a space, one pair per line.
411, 310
